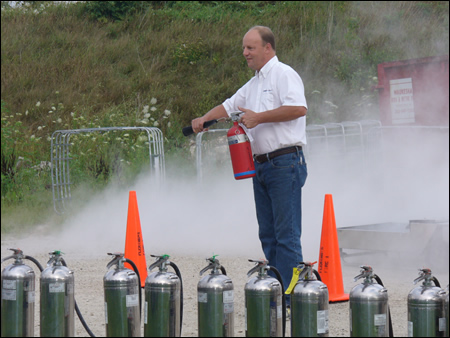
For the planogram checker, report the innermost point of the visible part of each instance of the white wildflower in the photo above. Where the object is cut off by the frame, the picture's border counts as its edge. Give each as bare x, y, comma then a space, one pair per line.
53, 108
153, 100
147, 115
153, 108
32, 137
38, 104
145, 110
155, 124
39, 128
26, 113
167, 112
59, 120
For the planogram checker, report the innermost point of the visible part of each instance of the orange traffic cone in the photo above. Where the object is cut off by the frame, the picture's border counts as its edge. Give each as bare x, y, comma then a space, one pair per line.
134, 241
330, 269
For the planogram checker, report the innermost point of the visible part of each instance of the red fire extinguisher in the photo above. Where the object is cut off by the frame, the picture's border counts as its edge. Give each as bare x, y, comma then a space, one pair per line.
240, 151
240, 148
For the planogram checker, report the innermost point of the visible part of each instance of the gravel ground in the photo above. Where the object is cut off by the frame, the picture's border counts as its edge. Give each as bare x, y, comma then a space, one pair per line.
90, 269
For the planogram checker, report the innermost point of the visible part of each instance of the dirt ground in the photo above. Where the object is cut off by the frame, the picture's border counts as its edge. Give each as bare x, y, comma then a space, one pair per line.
90, 269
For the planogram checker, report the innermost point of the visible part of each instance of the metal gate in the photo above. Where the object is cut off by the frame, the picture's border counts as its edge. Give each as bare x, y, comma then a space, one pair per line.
60, 159
345, 144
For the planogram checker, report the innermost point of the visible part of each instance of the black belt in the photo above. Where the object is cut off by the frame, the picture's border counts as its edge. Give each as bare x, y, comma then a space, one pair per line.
265, 157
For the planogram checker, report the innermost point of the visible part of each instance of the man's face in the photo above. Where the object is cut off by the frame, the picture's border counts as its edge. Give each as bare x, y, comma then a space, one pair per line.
254, 51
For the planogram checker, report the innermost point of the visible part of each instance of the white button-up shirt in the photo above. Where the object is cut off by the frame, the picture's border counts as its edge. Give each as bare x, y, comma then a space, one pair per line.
275, 85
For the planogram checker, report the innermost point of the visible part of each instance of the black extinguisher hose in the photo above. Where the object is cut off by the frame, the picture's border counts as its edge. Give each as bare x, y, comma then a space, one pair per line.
178, 273
135, 269
316, 273
34, 260
436, 282
223, 270
283, 297
80, 316
391, 330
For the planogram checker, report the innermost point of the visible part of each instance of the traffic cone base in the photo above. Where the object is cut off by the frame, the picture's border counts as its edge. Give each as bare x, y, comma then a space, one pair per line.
134, 241
330, 268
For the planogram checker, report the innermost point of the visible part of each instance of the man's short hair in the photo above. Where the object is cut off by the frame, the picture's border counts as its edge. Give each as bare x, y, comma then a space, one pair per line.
266, 34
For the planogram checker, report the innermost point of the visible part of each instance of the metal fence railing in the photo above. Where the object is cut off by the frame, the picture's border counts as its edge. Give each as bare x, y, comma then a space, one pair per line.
61, 159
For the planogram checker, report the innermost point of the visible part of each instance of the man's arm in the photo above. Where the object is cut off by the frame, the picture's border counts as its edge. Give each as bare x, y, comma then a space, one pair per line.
281, 114
214, 114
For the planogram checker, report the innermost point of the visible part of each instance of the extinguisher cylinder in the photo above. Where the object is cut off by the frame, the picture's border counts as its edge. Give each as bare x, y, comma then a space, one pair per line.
240, 152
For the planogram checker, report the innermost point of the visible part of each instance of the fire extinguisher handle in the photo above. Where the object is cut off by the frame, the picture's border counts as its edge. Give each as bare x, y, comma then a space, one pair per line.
188, 130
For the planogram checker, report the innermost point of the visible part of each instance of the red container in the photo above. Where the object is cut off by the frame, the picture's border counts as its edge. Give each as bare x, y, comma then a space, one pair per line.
414, 92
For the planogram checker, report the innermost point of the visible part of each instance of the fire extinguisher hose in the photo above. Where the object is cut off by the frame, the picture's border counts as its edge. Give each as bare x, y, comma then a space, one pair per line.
391, 330
188, 130
139, 283
80, 316
283, 297
178, 273
34, 260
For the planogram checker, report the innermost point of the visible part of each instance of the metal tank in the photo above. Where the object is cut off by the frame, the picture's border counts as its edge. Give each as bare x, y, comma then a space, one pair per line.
18, 297
426, 316
369, 311
162, 316
309, 303
447, 331
215, 302
122, 306
57, 299
263, 303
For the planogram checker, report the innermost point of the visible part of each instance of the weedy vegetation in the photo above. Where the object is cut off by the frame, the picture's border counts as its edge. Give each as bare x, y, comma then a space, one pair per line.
89, 64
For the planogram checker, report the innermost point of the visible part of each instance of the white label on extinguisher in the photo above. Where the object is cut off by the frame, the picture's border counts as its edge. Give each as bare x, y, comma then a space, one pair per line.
380, 319
9, 294
9, 284
279, 308
56, 287
106, 313
228, 308
132, 300
30, 296
202, 297
145, 312
240, 138
228, 296
442, 322
322, 321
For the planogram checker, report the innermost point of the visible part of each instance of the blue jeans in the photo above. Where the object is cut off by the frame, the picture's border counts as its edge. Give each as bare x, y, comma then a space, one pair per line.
277, 188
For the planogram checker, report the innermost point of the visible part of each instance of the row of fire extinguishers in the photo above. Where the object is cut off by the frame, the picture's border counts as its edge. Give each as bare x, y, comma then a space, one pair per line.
265, 306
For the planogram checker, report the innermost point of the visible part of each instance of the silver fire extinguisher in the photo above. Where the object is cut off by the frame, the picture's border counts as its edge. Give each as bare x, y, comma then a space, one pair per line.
265, 305
163, 300
122, 298
369, 310
57, 310
215, 301
426, 316
447, 331
309, 303
18, 296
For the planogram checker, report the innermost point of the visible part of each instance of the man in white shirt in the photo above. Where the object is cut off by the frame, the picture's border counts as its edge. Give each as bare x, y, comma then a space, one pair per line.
274, 107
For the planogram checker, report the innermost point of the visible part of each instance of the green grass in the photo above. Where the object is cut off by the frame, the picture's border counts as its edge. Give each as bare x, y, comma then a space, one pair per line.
89, 65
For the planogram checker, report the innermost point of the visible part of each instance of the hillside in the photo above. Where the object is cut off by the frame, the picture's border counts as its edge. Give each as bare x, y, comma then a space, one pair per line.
161, 63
